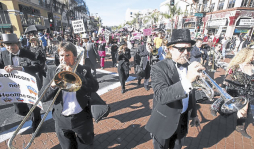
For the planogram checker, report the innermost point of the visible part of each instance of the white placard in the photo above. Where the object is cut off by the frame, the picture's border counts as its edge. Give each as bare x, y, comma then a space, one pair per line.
18, 87
78, 26
247, 22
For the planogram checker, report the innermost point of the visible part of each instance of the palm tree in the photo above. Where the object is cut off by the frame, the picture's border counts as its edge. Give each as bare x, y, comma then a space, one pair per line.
153, 17
173, 11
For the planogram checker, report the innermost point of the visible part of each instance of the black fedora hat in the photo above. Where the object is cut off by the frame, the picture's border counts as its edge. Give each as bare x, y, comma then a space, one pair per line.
10, 38
181, 36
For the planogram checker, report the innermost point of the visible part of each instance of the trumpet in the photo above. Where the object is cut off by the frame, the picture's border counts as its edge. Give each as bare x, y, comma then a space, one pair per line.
65, 80
230, 105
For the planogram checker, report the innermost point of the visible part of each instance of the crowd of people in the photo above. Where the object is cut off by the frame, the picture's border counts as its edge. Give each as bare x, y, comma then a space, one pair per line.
171, 62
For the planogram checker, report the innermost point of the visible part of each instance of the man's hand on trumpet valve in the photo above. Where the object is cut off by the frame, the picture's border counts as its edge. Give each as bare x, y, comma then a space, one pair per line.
194, 71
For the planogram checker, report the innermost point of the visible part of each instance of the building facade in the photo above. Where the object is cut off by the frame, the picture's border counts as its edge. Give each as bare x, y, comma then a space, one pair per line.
226, 17
17, 15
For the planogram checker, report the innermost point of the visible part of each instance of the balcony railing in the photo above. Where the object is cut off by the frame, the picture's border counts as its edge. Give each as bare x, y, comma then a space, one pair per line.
4, 17
220, 5
231, 4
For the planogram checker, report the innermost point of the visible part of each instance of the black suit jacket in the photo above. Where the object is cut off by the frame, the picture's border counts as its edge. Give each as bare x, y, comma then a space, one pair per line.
167, 100
27, 60
196, 54
89, 85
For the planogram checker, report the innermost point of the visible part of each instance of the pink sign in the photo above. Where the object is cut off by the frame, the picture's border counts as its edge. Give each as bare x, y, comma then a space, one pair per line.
147, 32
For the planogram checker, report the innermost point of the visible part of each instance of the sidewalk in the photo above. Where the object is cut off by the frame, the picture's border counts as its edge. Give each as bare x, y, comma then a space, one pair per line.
124, 127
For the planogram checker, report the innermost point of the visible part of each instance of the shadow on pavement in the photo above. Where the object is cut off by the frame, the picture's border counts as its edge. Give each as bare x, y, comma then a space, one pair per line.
123, 138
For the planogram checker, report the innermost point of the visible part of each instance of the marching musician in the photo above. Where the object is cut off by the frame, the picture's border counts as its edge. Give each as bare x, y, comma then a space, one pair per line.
214, 58
72, 110
91, 53
15, 58
198, 53
238, 82
124, 55
173, 102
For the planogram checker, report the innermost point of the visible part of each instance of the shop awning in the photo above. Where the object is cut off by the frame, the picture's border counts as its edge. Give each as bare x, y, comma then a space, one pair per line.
5, 25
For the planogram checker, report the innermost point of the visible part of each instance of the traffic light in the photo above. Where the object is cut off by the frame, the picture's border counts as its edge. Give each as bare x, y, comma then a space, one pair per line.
52, 27
50, 17
198, 28
199, 22
172, 2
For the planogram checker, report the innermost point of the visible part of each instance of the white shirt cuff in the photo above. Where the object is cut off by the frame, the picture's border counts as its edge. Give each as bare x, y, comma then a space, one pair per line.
186, 85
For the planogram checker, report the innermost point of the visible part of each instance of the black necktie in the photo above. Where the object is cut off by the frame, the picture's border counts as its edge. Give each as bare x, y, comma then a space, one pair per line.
185, 65
13, 55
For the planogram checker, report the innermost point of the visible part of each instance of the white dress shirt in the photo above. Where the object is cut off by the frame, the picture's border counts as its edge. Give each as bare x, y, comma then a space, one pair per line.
86, 45
15, 60
182, 71
70, 104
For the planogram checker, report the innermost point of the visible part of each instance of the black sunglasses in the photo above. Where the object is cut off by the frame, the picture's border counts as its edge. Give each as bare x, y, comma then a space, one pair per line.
182, 49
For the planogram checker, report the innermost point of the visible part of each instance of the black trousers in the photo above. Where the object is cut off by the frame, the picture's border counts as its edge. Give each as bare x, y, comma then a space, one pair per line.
89, 63
177, 139
73, 129
123, 71
23, 109
114, 56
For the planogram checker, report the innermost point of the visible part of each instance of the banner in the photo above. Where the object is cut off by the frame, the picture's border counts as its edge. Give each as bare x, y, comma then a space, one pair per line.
136, 35
78, 26
18, 87
147, 32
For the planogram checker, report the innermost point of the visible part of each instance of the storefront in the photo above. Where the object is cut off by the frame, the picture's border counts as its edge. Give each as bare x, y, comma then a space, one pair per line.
29, 16
5, 23
189, 23
218, 25
244, 25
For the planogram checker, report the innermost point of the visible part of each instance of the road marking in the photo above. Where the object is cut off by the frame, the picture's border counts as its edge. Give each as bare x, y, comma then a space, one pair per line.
8, 133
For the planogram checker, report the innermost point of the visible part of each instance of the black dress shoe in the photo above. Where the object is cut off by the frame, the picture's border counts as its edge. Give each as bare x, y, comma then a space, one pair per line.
147, 87
123, 91
242, 131
139, 82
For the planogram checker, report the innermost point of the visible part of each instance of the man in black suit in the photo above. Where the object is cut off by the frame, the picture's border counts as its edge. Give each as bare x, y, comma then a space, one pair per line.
72, 110
198, 53
173, 101
15, 58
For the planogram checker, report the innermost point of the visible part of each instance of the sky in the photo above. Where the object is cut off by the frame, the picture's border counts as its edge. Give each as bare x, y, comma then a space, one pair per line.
112, 12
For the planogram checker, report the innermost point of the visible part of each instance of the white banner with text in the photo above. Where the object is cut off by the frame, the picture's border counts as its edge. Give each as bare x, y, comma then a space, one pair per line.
18, 87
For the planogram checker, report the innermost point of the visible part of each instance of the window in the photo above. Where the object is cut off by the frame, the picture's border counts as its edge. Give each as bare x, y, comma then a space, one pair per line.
221, 4
244, 3
251, 3
231, 3
4, 17
212, 7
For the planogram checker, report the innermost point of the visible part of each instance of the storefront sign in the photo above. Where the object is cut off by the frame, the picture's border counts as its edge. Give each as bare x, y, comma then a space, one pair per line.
241, 30
78, 26
217, 22
247, 22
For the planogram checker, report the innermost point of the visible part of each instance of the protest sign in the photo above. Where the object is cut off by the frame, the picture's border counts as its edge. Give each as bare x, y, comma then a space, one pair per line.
136, 35
147, 32
78, 26
18, 87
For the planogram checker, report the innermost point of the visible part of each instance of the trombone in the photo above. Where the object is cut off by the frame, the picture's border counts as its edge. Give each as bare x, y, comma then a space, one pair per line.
65, 80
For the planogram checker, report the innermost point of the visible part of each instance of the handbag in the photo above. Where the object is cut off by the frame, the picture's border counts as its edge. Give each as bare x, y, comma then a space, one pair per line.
140, 72
99, 108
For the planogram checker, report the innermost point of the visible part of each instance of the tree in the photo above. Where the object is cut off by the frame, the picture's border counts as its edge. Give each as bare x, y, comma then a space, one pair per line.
172, 12
153, 17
